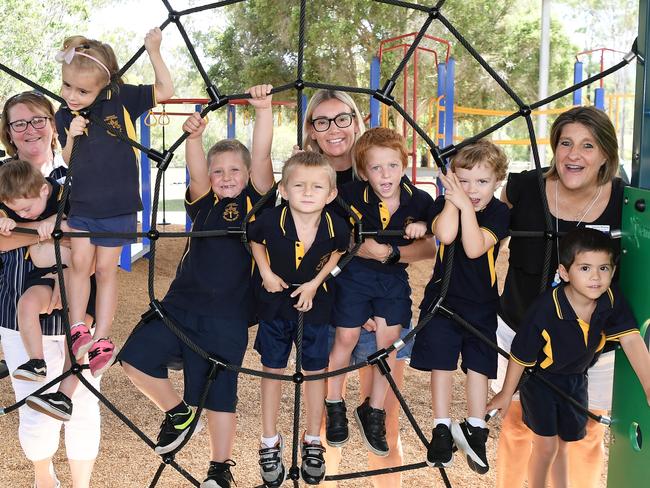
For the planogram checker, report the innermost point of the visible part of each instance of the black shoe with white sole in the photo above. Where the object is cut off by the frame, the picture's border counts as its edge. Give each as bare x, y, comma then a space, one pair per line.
57, 405
4, 371
219, 475
441, 449
471, 440
372, 424
32, 370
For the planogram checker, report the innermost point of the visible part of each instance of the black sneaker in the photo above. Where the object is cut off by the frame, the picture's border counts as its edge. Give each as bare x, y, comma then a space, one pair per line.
440, 451
57, 405
4, 371
336, 424
174, 430
271, 466
372, 424
471, 440
219, 475
32, 370
312, 468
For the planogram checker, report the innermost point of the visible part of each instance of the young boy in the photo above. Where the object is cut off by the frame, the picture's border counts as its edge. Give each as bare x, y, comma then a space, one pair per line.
296, 246
564, 330
28, 196
468, 209
211, 296
384, 199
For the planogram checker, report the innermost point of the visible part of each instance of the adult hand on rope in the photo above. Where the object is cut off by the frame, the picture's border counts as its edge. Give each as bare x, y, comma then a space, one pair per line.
45, 228
195, 125
152, 40
305, 294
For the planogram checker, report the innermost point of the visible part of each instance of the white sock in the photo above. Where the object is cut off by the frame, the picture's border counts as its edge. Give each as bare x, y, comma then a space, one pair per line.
332, 402
446, 421
311, 439
476, 422
271, 441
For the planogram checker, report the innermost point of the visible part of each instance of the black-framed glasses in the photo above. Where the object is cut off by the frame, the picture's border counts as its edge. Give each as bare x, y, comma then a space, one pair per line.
342, 120
37, 122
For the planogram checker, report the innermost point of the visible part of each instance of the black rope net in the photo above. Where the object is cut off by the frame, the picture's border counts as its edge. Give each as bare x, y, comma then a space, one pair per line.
217, 100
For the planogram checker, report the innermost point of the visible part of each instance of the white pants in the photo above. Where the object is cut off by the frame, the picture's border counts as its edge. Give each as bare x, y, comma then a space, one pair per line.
39, 433
601, 374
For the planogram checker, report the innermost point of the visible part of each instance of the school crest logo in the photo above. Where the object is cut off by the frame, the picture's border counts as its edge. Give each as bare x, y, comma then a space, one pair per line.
113, 122
231, 212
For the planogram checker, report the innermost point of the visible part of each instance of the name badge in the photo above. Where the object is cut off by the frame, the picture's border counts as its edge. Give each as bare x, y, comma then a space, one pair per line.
601, 227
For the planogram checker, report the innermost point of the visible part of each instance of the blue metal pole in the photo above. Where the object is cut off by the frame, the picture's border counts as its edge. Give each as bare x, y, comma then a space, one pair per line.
232, 122
599, 98
449, 102
442, 83
578, 72
641, 140
374, 85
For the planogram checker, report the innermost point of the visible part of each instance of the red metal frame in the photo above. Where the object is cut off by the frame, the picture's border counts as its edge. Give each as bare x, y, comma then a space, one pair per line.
602, 51
405, 46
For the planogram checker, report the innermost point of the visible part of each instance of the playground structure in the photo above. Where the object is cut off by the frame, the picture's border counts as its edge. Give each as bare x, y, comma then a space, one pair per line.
636, 229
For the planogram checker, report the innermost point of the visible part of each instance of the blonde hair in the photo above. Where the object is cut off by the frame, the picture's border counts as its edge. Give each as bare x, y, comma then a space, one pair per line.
482, 152
97, 49
230, 145
37, 102
19, 179
308, 159
322, 96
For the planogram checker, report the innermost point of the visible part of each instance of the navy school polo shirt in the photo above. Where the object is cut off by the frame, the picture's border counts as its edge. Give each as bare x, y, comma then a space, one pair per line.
214, 274
553, 338
415, 205
286, 253
105, 169
473, 280
51, 206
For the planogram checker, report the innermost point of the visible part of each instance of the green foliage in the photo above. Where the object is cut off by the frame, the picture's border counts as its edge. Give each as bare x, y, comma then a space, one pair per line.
31, 34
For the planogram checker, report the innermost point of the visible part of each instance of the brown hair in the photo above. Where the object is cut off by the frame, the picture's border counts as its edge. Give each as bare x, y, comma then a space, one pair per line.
308, 159
230, 145
19, 179
600, 127
482, 152
378, 137
36, 102
97, 49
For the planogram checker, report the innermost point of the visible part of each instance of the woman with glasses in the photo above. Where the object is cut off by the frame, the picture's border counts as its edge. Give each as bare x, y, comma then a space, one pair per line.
27, 132
332, 125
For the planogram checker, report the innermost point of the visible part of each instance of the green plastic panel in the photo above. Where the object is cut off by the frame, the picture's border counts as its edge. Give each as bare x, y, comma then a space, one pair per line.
629, 453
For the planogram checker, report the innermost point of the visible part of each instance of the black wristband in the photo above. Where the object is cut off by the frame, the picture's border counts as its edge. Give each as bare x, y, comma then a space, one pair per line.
394, 255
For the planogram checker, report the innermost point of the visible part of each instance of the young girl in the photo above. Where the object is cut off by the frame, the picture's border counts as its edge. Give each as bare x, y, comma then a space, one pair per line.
105, 194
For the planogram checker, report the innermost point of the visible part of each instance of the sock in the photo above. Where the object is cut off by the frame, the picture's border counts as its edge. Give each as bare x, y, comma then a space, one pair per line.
180, 408
446, 421
311, 439
332, 402
270, 441
476, 422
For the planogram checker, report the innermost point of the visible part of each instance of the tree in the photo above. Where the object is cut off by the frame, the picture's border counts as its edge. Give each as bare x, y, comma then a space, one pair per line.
31, 35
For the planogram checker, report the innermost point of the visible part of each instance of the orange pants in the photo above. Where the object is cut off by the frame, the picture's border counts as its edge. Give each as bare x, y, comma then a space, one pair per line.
586, 457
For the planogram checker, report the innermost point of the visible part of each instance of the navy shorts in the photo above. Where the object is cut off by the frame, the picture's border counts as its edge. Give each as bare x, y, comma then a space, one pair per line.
363, 293
546, 414
367, 345
152, 347
120, 224
275, 338
439, 343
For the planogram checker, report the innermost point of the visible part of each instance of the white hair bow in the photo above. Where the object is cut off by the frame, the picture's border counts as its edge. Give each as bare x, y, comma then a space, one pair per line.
65, 56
